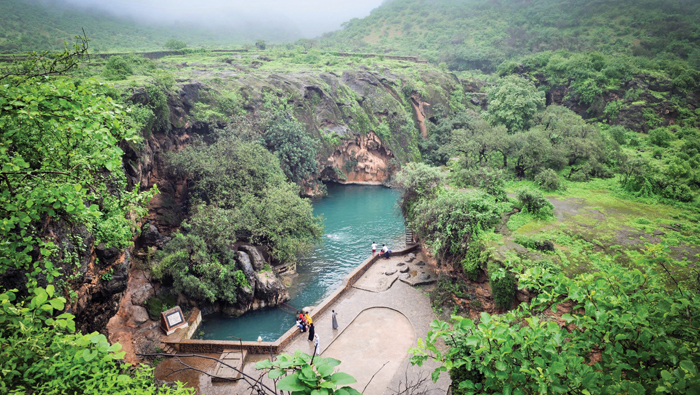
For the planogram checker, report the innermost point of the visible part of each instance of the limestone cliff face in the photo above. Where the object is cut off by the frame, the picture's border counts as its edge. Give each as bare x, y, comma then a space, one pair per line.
363, 159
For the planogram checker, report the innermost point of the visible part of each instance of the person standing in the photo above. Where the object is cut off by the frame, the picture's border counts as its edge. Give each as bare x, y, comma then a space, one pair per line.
335, 320
385, 251
374, 248
312, 332
317, 345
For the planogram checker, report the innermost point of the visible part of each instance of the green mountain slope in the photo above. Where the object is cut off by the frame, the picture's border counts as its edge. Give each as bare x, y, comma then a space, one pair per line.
480, 34
31, 25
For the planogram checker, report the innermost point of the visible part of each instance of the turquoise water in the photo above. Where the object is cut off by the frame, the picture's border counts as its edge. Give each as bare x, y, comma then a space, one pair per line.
354, 216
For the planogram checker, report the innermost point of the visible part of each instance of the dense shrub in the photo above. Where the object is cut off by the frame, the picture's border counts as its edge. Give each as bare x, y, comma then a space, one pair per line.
548, 179
473, 258
294, 147
450, 221
660, 137
174, 45
43, 354
197, 271
417, 180
117, 68
503, 285
534, 201
619, 134
243, 182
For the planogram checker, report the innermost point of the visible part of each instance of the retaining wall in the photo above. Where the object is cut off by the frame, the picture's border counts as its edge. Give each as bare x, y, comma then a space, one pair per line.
218, 346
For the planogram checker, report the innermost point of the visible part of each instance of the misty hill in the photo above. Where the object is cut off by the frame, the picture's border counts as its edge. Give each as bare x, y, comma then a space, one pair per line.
480, 34
43, 25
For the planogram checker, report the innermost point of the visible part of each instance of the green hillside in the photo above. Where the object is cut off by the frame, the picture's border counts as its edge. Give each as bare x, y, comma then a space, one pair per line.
31, 26
480, 34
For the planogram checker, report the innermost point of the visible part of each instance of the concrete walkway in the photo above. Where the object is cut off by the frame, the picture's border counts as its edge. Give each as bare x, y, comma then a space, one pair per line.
375, 327
368, 333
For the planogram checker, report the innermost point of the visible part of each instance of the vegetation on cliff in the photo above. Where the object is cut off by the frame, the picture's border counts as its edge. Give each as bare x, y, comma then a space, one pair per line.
63, 190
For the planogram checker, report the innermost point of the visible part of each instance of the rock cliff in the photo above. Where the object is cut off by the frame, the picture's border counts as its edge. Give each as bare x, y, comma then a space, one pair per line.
368, 120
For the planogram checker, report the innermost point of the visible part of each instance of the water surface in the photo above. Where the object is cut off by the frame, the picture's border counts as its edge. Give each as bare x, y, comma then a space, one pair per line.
354, 216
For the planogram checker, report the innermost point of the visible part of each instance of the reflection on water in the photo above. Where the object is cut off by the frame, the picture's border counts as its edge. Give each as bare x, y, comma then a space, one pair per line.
354, 217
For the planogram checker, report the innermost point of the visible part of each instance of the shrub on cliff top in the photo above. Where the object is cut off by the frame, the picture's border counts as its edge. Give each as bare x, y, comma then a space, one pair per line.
419, 181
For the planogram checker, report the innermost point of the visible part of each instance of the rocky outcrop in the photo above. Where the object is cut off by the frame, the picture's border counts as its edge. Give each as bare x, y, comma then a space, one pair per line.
265, 287
364, 159
255, 256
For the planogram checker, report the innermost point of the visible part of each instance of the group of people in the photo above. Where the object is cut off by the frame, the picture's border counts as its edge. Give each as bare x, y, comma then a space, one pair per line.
306, 323
384, 251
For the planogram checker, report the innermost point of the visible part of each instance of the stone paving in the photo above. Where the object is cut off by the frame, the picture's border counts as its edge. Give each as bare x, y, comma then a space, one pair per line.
374, 328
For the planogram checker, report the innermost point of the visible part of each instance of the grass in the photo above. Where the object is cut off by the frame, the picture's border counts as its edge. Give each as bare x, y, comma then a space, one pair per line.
601, 220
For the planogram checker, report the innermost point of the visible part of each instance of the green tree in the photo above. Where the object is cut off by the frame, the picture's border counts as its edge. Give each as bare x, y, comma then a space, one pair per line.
418, 181
513, 102
261, 45
294, 147
245, 183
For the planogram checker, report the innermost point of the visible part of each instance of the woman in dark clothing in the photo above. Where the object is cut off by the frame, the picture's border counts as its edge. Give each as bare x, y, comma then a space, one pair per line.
311, 332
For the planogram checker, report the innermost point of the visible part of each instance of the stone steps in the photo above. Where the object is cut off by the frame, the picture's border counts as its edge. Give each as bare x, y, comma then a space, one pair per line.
167, 349
222, 373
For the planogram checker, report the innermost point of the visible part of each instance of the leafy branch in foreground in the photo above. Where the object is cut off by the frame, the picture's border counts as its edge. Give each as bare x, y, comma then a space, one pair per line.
41, 354
60, 160
39, 64
624, 333
303, 374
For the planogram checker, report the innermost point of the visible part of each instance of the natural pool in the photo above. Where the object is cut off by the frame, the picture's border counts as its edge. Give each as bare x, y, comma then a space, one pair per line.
354, 216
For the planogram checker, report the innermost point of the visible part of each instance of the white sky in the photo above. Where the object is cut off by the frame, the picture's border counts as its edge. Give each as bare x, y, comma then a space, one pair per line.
310, 17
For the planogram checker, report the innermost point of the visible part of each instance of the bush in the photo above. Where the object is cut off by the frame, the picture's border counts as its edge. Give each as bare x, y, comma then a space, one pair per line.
619, 134
417, 180
546, 264
503, 285
660, 137
451, 221
658, 153
471, 263
245, 194
295, 149
534, 201
43, 354
549, 180
117, 68
174, 45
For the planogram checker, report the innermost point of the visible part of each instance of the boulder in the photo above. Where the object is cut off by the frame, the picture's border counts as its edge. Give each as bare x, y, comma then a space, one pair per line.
420, 263
243, 263
106, 256
390, 272
411, 257
120, 275
404, 269
139, 315
139, 296
475, 101
150, 235
270, 289
256, 257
